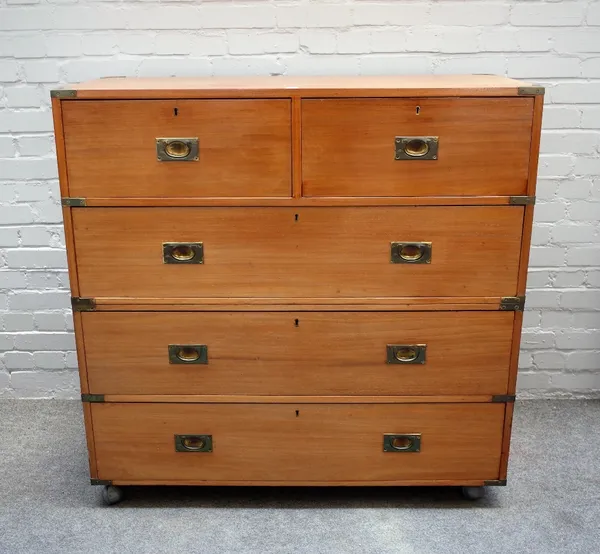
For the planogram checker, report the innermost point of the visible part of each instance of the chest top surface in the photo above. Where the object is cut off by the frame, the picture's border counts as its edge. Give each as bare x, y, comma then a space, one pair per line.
306, 86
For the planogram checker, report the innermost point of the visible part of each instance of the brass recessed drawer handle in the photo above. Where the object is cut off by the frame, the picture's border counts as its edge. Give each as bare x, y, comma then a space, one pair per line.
406, 353
193, 443
177, 149
402, 443
416, 148
188, 354
410, 252
183, 253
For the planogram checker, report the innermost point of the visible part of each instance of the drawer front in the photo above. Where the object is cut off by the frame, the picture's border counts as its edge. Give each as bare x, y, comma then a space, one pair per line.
290, 442
349, 147
304, 353
243, 148
305, 252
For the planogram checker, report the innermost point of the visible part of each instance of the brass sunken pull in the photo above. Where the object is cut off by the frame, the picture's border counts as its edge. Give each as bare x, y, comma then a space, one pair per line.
416, 148
402, 443
193, 443
406, 353
177, 149
183, 253
410, 252
188, 354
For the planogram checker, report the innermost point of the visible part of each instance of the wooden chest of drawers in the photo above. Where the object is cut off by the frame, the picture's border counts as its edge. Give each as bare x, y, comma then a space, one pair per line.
298, 281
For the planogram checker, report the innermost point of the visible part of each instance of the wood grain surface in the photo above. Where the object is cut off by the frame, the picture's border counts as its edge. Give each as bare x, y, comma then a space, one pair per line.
508, 420
297, 443
296, 149
244, 148
299, 201
306, 304
292, 399
348, 146
296, 198
71, 255
534, 151
305, 252
89, 439
285, 353
287, 86
258, 483
59, 141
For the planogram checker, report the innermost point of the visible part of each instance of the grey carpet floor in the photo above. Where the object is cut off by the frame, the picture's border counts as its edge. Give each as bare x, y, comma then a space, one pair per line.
551, 504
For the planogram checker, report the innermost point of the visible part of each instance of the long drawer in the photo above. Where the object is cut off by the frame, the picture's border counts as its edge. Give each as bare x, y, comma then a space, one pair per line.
416, 147
303, 252
287, 442
304, 353
178, 148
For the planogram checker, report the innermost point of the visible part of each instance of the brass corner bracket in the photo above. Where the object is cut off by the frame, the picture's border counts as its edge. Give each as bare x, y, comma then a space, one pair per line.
99, 482
495, 483
531, 91
92, 398
512, 303
83, 304
63, 93
521, 200
73, 202
503, 398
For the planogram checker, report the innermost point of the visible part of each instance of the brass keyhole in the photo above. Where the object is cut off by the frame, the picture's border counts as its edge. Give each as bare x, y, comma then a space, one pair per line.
406, 354
182, 253
177, 149
401, 443
193, 443
188, 354
416, 148
411, 252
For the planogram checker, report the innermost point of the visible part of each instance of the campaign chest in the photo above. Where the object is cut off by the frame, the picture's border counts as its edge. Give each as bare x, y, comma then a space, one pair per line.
298, 281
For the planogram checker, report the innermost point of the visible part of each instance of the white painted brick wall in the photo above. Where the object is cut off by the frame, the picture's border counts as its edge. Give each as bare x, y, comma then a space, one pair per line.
47, 43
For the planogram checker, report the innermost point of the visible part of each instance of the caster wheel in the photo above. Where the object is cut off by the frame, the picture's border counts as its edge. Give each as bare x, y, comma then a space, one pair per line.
473, 493
112, 495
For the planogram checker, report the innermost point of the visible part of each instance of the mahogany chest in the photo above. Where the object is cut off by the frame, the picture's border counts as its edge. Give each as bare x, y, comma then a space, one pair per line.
298, 281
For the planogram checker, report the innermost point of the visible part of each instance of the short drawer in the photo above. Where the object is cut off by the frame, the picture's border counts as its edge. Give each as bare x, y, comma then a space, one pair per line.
178, 148
303, 353
306, 252
287, 442
416, 147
